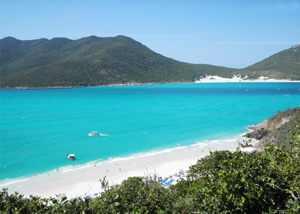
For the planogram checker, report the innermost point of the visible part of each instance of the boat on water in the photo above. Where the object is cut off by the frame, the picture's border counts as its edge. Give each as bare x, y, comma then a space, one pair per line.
71, 156
95, 133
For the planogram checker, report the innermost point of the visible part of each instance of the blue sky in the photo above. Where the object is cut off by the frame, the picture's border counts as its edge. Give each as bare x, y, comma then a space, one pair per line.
231, 33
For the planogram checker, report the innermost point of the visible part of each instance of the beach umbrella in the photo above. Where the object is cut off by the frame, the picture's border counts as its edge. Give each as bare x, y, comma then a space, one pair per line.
169, 183
85, 197
77, 199
163, 181
96, 194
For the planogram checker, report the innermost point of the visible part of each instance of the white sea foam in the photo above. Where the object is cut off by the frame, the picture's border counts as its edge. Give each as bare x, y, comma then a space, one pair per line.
241, 135
162, 151
13, 182
203, 144
230, 140
119, 159
76, 168
147, 155
156, 152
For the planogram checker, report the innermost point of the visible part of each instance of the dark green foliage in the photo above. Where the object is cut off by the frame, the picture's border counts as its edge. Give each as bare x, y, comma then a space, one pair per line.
136, 196
234, 182
90, 61
102, 61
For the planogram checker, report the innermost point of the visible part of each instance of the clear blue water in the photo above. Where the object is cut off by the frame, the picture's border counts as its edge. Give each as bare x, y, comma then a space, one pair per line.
39, 127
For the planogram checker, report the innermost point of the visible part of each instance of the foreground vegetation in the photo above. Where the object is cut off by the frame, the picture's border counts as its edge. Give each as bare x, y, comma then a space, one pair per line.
222, 182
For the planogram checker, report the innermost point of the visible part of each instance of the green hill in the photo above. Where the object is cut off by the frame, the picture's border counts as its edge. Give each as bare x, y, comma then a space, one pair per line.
90, 61
285, 64
95, 61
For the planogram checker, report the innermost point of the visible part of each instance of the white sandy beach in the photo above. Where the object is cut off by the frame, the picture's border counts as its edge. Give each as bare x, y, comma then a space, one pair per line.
238, 78
83, 180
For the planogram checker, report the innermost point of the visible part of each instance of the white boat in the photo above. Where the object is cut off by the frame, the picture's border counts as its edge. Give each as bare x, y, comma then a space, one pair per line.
71, 156
95, 133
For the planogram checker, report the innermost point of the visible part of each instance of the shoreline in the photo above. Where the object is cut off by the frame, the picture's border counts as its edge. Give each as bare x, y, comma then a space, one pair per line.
83, 180
207, 79
110, 85
239, 79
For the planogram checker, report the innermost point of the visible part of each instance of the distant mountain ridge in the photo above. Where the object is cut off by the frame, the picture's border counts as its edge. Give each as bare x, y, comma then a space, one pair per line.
92, 61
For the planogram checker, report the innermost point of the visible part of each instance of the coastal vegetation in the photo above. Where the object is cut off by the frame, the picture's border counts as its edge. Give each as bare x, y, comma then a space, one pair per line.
282, 65
265, 181
93, 61
276, 129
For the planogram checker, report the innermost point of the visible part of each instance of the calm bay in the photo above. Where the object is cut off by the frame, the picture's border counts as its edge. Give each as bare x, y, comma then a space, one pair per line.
39, 127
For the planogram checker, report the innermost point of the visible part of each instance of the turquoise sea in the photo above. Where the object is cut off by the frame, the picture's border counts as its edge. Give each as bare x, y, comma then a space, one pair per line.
39, 127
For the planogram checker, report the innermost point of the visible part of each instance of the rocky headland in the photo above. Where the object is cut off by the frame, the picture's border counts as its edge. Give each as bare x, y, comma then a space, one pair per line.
276, 129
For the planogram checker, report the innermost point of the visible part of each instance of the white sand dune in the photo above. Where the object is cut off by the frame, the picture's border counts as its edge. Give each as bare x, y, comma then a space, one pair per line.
238, 78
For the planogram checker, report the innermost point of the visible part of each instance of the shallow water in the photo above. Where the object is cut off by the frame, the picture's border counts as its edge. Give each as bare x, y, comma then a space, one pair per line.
39, 127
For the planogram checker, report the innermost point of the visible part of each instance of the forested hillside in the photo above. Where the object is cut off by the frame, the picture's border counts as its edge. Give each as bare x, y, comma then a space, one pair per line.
91, 61
282, 65
95, 61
